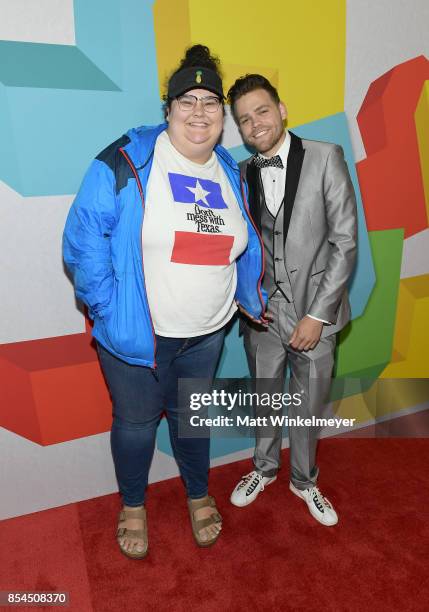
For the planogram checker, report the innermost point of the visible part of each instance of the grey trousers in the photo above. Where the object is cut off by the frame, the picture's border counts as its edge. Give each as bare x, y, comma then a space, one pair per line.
268, 353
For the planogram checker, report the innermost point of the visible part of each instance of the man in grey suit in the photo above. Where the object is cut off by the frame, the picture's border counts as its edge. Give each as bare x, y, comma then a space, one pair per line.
302, 201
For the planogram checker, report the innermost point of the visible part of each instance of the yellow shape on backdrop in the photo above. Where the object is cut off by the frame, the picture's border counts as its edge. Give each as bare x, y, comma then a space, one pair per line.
421, 117
355, 407
303, 43
411, 339
173, 35
383, 399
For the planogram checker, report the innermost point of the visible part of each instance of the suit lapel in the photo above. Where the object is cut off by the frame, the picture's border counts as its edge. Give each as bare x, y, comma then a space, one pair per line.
293, 172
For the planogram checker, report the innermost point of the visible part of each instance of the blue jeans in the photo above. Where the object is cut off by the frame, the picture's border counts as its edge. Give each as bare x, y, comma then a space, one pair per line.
139, 399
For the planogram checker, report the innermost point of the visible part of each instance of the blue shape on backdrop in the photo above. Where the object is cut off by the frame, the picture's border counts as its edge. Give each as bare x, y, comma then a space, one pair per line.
53, 134
233, 362
105, 48
219, 447
50, 66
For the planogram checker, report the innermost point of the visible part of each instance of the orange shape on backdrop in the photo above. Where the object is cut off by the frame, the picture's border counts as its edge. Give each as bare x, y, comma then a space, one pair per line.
390, 177
53, 389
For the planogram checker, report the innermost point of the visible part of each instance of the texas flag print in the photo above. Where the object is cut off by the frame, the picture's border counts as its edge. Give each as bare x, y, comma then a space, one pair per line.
207, 246
201, 249
193, 190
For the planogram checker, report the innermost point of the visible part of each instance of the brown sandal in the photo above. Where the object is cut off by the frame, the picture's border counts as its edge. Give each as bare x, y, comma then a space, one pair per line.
136, 513
197, 525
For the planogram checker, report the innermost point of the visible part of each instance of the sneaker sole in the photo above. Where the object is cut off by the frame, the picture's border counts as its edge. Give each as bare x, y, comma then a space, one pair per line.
297, 492
274, 478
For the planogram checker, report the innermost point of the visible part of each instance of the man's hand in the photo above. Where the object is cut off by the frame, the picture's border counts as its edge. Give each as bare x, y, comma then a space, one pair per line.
306, 334
262, 321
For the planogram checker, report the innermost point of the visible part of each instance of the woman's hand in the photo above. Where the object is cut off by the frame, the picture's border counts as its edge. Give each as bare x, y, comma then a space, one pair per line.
264, 320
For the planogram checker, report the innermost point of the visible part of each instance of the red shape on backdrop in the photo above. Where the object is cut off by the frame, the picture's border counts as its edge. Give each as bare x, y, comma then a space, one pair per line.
390, 177
53, 390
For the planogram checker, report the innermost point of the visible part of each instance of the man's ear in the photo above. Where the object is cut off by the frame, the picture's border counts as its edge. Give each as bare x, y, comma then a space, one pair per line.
283, 111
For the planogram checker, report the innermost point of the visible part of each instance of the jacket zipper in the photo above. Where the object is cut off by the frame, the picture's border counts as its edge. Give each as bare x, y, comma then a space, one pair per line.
258, 286
139, 185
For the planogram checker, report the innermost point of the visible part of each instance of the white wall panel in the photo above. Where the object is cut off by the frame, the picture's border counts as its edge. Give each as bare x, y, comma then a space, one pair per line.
40, 21
37, 299
415, 255
231, 136
34, 477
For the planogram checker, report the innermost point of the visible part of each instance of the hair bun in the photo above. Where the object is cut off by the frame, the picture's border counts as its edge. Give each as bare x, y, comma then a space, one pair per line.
199, 55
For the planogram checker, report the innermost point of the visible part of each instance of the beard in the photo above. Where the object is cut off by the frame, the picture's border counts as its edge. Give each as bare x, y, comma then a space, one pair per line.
265, 146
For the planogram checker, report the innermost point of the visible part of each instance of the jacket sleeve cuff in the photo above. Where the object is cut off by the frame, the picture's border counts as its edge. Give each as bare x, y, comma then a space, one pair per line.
317, 319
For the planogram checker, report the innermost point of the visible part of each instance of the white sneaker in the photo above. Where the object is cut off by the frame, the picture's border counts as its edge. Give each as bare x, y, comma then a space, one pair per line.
249, 488
320, 507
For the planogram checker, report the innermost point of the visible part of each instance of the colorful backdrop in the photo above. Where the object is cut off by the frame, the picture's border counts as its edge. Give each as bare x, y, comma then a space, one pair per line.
76, 74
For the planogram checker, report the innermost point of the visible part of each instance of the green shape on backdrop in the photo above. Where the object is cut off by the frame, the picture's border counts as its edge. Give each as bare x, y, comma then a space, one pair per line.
365, 346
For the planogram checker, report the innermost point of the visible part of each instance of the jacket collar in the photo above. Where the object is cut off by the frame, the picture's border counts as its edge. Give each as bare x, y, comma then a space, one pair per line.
295, 143
293, 173
142, 144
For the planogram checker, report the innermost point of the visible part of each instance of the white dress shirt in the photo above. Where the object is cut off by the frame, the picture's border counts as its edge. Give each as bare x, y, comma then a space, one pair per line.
274, 181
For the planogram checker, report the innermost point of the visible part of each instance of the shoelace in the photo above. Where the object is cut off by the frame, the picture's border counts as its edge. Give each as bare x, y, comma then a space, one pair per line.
251, 479
320, 500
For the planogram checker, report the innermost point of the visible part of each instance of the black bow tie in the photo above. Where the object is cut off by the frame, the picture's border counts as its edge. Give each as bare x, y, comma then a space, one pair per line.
263, 162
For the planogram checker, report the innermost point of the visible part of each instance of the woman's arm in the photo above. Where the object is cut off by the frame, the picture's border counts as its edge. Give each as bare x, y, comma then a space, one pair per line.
86, 240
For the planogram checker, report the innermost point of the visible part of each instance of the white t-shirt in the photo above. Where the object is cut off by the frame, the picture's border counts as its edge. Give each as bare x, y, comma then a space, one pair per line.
193, 231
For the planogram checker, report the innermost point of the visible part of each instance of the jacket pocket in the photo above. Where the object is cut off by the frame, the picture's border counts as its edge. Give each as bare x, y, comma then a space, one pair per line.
109, 318
106, 309
127, 325
317, 276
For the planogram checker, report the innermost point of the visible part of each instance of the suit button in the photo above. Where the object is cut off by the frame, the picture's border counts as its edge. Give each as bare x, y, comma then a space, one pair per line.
278, 259
276, 233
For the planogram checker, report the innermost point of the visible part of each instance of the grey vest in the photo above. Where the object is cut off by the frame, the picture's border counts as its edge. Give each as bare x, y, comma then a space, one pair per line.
276, 279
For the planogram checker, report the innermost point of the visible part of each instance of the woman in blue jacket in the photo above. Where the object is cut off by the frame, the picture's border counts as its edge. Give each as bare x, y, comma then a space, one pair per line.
161, 249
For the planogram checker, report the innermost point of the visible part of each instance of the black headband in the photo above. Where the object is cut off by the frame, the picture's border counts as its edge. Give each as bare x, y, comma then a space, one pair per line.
195, 77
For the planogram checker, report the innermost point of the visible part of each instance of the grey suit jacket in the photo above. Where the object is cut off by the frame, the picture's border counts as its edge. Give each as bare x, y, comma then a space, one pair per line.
320, 228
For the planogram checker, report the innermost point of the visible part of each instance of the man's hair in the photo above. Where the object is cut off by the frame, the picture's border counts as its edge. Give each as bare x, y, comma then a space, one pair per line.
248, 83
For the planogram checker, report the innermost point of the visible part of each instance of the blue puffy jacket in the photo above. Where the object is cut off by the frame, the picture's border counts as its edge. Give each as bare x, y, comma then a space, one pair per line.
102, 246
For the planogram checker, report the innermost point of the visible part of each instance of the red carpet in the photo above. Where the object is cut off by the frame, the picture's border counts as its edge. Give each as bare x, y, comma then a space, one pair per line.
271, 555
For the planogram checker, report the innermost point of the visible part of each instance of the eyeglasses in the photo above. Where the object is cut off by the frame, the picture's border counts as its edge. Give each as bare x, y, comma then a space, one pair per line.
188, 102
